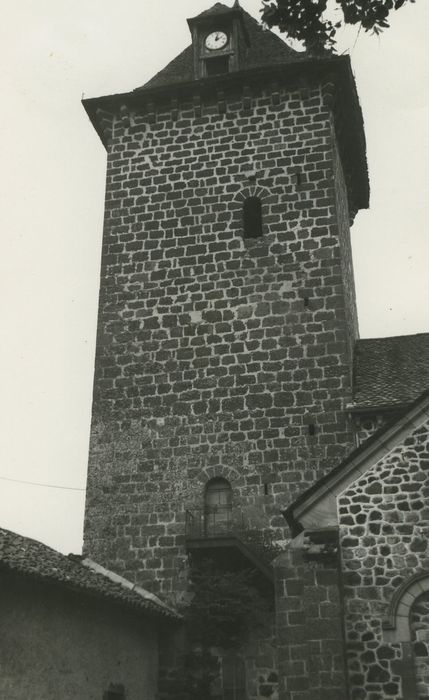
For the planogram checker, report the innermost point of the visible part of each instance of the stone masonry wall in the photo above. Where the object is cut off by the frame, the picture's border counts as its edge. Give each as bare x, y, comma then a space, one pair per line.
310, 643
344, 216
261, 663
216, 356
384, 524
57, 643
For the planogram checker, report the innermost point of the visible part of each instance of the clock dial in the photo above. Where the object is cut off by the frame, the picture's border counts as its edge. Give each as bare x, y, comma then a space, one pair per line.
216, 41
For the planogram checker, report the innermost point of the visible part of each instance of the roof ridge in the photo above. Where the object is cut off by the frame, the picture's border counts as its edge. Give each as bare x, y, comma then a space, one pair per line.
116, 578
32, 539
214, 9
25, 556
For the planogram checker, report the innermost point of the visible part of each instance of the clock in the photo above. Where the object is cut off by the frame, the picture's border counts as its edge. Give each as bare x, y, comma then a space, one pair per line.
216, 40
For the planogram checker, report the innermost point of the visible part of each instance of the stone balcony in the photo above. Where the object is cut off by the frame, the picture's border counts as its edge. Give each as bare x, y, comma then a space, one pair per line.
219, 533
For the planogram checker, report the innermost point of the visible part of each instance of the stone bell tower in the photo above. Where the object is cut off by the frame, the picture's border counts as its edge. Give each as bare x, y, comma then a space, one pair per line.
227, 311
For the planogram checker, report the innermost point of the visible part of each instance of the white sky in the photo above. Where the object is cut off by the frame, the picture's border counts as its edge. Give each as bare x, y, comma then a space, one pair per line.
51, 209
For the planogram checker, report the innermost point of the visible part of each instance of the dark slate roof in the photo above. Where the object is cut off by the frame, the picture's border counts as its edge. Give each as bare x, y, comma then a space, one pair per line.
270, 57
22, 555
266, 49
390, 371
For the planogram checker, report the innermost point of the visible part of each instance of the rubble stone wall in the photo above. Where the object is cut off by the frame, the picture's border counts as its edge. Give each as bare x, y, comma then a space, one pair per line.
384, 526
310, 643
419, 621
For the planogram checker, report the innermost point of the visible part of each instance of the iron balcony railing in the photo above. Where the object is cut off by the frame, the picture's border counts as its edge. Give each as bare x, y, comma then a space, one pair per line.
227, 523
214, 521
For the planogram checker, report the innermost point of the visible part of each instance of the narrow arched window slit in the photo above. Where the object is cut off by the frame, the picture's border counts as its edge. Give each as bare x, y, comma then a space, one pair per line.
252, 218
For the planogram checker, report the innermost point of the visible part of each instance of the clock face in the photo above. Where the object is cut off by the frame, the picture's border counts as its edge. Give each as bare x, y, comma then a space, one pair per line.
216, 41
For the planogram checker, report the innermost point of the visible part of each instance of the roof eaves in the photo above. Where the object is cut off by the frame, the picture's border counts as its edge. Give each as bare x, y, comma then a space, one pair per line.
139, 95
23, 556
142, 93
383, 439
372, 408
146, 609
132, 587
352, 143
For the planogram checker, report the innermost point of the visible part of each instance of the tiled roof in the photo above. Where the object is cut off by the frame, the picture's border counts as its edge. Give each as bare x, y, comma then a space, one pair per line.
28, 557
266, 49
390, 371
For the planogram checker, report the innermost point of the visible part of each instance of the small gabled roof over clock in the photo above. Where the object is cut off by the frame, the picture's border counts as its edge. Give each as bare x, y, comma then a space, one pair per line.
264, 48
217, 9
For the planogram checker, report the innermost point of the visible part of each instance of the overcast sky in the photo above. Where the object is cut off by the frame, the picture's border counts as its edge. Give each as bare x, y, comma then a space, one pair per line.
52, 189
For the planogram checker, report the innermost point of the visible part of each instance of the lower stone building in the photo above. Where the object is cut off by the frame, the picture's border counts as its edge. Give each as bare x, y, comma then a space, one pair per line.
71, 629
353, 585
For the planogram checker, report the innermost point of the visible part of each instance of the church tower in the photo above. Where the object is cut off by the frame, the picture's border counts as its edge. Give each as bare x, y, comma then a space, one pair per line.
227, 312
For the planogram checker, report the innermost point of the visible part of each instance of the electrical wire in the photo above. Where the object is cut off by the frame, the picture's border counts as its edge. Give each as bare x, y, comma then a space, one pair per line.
37, 483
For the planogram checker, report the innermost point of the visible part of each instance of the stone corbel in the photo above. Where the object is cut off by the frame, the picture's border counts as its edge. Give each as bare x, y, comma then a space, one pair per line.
247, 97
105, 119
221, 102
329, 93
125, 115
197, 106
151, 112
275, 94
318, 544
174, 108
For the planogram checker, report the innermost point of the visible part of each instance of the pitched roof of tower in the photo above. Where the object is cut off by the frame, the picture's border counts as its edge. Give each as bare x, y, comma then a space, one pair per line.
269, 59
267, 50
390, 371
28, 557
217, 9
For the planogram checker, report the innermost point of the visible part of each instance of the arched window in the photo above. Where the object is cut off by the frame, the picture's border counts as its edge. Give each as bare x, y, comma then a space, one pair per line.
252, 217
233, 678
419, 623
218, 506
406, 627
